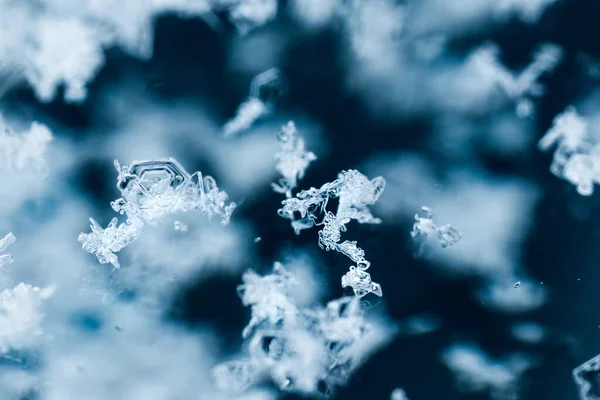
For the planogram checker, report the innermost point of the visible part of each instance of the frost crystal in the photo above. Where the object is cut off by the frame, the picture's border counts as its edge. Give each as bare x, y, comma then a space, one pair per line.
21, 316
425, 227
267, 91
575, 159
151, 190
355, 192
292, 159
4, 243
25, 151
586, 377
309, 351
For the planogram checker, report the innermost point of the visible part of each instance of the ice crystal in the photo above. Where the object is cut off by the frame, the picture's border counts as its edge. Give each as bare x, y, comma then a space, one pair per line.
576, 159
292, 159
360, 282
586, 377
267, 92
21, 316
303, 350
151, 190
24, 151
104, 243
355, 193
425, 227
4, 243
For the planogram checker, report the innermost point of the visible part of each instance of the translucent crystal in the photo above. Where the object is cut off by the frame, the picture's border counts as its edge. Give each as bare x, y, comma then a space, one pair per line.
104, 243
234, 376
587, 378
360, 281
4, 243
425, 227
448, 235
270, 87
292, 159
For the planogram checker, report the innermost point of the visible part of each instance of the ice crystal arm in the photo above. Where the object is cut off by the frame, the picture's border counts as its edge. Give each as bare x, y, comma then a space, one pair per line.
292, 159
4, 243
267, 91
586, 376
104, 243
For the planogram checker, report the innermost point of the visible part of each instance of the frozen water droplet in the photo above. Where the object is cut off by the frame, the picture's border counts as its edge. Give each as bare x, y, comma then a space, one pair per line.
517, 284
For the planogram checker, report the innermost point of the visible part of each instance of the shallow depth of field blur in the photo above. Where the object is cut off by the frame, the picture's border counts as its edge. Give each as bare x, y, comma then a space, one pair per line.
446, 100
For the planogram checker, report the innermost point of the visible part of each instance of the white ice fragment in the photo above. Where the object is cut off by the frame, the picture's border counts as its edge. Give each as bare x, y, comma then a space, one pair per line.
360, 282
267, 91
425, 227
21, 316
4, 243
292, 159
26, 151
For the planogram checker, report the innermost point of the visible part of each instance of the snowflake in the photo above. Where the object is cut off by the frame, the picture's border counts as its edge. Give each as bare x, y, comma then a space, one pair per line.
425, 227
4, 243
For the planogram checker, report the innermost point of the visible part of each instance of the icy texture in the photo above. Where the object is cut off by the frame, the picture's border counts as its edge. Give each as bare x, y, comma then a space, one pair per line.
4, 243
576, 158
355, 193
104, 243
21, 316
476, 372
267, 92
517, 86
360, 281
25, 151
425, 227
52, 43
151, 190
586, 377
292, 159
398, 394
310, 351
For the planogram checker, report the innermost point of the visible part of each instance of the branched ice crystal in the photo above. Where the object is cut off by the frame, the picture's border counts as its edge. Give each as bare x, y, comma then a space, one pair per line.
292, 159
309, 351
586, 377
151, 190
4, 243
355, 193
360, 281
267, 92
576, 159
104, 243
21, 316
425, 227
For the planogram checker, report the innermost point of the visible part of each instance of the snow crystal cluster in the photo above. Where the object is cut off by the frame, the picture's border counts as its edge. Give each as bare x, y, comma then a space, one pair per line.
151, 190
309, 351
25, 151
576, 159
424, 227
586, 377
267, 92
355, 193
